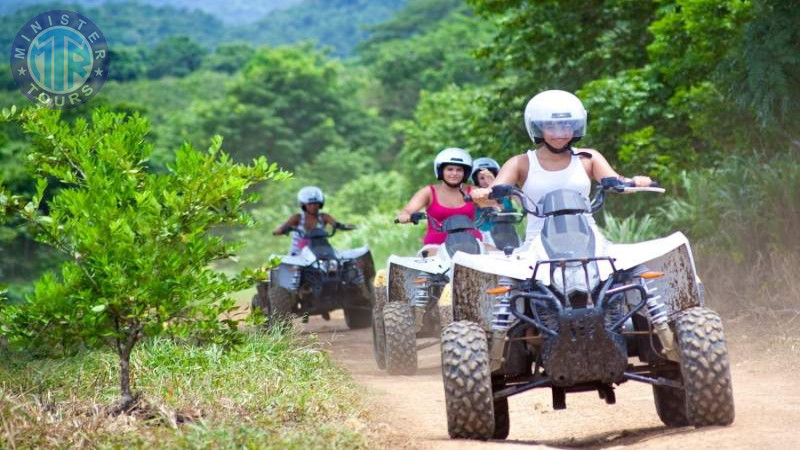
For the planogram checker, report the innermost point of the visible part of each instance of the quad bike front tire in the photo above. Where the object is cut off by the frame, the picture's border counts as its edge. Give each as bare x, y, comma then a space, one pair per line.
502, 420
401, 339
705, 369
281, 303
378, 329
467, 383
671, 405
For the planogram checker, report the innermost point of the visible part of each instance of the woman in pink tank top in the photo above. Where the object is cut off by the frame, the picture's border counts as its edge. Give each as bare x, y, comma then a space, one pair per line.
445, 199
441, 212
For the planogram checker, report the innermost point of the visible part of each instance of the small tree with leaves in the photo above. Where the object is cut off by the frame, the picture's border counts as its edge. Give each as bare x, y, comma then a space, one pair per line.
139, 243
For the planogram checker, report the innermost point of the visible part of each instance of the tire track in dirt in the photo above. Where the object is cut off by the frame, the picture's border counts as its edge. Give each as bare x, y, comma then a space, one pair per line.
409, 411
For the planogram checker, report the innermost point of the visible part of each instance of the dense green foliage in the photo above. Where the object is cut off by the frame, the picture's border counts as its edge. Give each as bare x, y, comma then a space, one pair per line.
413, 51
662, 80
292, 105
423, 58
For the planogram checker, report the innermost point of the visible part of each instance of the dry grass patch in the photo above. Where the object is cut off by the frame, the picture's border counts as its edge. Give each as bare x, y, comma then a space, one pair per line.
270, 392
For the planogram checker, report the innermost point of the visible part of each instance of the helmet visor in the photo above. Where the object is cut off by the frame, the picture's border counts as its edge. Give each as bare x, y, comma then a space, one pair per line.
561, 129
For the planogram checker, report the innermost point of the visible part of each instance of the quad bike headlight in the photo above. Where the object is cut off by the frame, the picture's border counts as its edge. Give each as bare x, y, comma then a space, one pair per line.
575, 278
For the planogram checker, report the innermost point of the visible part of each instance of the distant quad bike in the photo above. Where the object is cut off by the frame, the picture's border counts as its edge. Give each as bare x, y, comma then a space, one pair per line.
574, 313
318, 281
408, 308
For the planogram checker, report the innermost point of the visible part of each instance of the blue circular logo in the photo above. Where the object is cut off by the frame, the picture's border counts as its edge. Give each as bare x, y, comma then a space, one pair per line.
60, 59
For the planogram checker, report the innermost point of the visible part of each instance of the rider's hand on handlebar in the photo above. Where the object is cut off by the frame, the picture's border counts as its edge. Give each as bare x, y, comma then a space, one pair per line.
481, 196
642, 181
403, 217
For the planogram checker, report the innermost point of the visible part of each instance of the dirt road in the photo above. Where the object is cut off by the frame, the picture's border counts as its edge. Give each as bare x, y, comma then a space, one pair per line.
409, 411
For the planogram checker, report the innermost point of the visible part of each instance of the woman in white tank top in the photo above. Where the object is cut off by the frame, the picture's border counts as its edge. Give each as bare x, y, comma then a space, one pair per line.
555, 120
540, 181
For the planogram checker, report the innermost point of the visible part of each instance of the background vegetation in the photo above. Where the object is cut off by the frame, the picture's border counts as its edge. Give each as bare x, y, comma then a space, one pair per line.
701, 94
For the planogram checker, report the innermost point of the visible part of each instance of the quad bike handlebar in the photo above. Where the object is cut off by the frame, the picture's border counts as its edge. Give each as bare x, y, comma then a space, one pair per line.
609, 184
304, 233
416, 217
442, 226
493, 215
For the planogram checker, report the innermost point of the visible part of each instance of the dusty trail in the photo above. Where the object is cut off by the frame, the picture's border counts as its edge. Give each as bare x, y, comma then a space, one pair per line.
409, 411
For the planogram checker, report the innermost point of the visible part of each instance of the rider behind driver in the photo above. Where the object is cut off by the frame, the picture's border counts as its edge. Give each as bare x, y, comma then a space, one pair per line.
311, 201
484, 171
445, 199
555, 120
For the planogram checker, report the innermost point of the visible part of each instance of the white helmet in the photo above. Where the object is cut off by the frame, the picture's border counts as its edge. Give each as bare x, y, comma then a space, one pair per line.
455, 156
483, 164
310, 194
558, 111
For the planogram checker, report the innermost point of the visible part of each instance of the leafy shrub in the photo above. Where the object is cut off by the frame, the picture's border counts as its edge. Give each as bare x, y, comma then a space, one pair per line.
138, 243
631, 229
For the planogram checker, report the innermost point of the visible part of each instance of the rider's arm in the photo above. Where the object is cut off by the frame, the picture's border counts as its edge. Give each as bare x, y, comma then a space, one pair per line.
513, 172
600, 168
420, 200
329, 220
293, 221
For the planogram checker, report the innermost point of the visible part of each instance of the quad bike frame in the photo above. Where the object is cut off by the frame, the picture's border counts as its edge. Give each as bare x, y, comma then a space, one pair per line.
513, 332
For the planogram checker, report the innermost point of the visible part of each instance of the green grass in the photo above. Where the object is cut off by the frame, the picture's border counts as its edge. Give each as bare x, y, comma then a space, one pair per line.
270, 392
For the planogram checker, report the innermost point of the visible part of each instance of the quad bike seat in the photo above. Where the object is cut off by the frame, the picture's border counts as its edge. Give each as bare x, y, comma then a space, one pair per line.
457, 223
458, 239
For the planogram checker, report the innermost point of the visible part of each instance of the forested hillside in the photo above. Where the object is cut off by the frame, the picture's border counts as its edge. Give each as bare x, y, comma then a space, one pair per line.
337, 24
234, 11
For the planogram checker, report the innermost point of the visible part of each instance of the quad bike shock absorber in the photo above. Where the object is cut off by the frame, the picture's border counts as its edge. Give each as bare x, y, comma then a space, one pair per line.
421, 291
658, 315
421, 298
296, 272
502, 318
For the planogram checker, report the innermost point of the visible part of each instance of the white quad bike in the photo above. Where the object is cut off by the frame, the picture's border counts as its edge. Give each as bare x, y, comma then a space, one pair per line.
574, 313
319, 280
407, 307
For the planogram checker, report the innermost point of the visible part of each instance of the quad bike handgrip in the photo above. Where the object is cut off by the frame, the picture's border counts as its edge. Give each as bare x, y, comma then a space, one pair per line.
415, 218
501, 190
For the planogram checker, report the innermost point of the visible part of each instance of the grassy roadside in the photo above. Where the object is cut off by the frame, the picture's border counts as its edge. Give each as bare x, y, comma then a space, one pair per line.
271, 392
